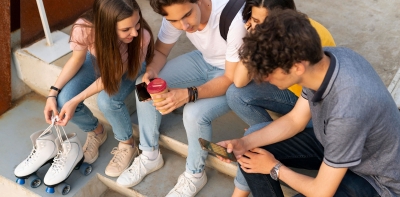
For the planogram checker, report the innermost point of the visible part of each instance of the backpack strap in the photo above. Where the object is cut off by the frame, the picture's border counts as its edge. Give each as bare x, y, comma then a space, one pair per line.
228, 13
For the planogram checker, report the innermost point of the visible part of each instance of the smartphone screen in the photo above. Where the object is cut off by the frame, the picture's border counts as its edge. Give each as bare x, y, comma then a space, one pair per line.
141, 91
216, 149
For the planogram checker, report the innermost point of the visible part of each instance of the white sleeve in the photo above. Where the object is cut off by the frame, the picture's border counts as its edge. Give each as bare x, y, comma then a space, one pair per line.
235, 38
168, 34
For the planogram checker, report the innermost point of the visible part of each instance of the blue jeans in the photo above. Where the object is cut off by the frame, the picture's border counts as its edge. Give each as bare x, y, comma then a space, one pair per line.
302, 151
187, 70
112, 106
251, 101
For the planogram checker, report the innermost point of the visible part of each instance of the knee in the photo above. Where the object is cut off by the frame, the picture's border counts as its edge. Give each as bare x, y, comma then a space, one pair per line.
192, 115
62, 98
104, 102
233, 96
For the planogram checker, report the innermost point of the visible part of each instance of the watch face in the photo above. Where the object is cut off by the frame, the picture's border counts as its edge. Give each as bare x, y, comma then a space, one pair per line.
274, 174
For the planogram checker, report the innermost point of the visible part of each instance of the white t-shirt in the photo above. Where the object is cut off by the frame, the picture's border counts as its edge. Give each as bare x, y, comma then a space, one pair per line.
208, 41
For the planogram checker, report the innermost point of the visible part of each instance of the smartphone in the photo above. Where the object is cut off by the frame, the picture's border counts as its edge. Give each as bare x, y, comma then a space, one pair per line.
216, 149
141, 91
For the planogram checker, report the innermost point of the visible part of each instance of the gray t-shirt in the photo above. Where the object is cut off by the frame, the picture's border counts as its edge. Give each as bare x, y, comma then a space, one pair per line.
356, 120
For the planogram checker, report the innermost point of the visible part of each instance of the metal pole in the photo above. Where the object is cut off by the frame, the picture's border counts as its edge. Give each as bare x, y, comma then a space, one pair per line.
45, 23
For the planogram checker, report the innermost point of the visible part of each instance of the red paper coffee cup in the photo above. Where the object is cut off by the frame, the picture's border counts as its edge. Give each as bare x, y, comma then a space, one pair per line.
157, 86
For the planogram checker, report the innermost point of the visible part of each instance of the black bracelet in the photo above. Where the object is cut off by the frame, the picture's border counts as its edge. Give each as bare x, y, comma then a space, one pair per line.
196, 93
190, 94
193, 94
52, 96
56, 89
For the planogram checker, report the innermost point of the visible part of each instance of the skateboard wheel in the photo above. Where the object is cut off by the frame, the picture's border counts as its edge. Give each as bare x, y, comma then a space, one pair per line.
34, 181
85, 169
63, 188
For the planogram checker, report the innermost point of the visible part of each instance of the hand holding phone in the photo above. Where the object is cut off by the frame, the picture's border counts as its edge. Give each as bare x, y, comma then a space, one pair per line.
216, 149
141, 91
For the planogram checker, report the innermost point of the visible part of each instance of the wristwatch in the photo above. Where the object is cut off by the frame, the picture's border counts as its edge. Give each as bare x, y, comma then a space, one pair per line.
275, 171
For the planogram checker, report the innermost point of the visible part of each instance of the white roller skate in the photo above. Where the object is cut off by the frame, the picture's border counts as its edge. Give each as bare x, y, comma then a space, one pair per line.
43, 152
69, 157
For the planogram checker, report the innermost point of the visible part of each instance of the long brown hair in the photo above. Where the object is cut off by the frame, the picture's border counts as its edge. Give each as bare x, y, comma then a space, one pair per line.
104, 17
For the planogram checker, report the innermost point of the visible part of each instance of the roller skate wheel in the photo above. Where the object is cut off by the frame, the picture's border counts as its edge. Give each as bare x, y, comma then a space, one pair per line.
50, 190
85, 169
63, 188
35, 181
20, 181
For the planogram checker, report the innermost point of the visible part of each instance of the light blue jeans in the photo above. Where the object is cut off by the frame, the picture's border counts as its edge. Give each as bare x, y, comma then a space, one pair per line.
112, 106
251, 101
187, 70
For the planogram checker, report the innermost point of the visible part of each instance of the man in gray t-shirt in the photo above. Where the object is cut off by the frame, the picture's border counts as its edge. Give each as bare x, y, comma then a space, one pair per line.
356, 138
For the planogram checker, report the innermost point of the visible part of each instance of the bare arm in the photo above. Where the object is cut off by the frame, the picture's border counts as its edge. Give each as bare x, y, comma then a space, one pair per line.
281, 129
68, 110
213, 88
70, 69
219, 85
325, 184
241, 77
161, 52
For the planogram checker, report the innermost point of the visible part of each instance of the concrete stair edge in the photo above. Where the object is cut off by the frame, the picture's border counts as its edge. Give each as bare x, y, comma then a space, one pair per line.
182, 149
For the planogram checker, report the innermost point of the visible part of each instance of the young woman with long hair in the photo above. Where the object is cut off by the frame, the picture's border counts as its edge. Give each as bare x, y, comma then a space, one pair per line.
111, 45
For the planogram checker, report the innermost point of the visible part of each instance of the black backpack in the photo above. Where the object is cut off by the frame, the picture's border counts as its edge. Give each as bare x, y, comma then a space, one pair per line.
228, 13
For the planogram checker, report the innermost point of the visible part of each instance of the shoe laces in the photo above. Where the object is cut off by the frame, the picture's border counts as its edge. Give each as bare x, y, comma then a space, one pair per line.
34, 153
119, 155
134, 169
32, 157
92, 143
61, 157
185, 187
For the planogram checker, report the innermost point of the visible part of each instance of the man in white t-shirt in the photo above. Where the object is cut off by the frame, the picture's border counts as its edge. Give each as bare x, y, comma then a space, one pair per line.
198, 79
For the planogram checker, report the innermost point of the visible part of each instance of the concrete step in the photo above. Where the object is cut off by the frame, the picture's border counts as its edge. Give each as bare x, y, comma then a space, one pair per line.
26, 117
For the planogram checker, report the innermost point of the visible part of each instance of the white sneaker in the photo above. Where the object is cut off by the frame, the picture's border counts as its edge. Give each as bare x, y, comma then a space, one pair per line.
188, 185
140, 167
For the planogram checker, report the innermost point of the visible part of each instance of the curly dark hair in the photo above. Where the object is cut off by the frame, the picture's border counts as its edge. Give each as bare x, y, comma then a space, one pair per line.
286, 37
268, 4
158, 5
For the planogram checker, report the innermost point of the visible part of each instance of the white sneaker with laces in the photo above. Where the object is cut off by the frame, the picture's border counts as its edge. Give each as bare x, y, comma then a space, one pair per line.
188, 185
140, 167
